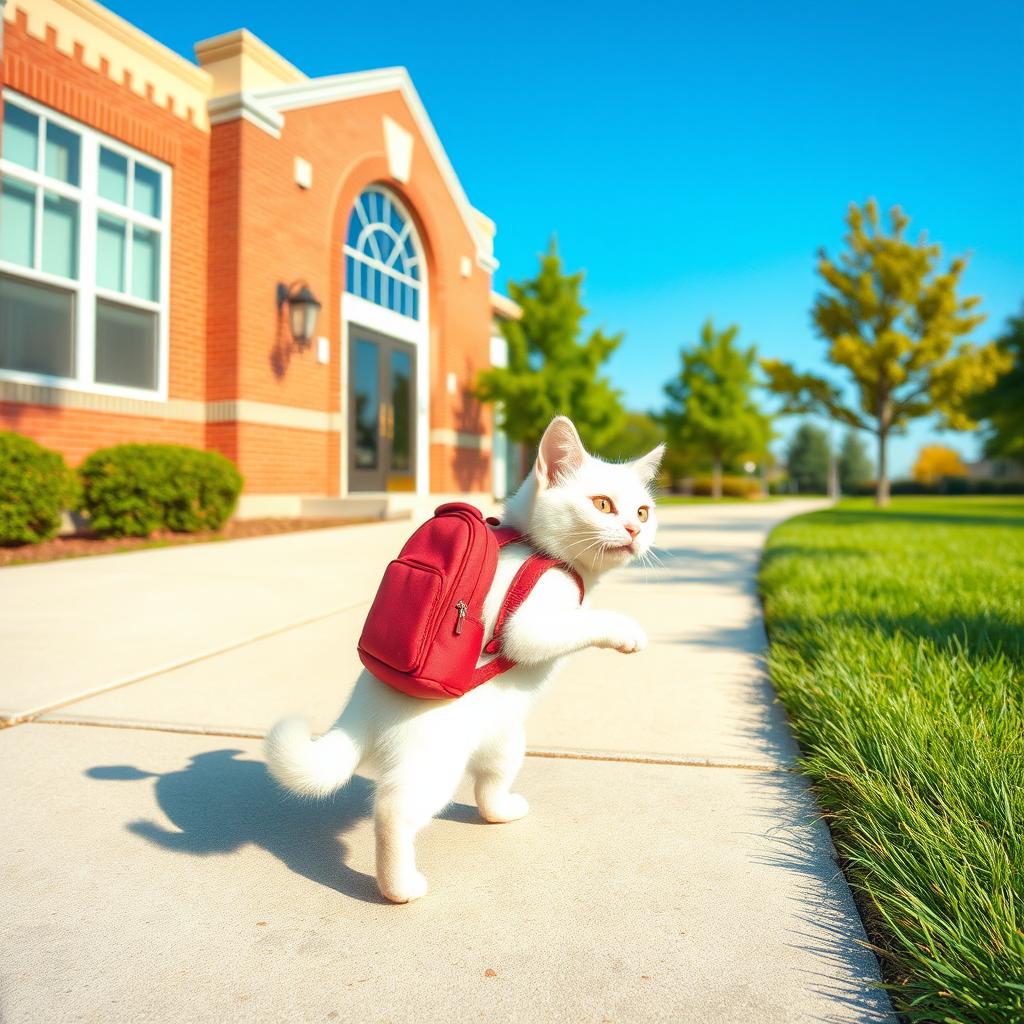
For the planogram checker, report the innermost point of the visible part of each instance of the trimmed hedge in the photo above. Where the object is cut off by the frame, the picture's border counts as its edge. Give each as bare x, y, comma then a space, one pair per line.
732, 487
950, 485
35, 488
131, 490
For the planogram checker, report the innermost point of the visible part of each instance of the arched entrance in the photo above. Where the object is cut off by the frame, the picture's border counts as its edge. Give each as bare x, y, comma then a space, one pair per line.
385, 365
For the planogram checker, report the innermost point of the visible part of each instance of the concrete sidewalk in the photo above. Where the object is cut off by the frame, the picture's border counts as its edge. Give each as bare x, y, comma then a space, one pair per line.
671, 868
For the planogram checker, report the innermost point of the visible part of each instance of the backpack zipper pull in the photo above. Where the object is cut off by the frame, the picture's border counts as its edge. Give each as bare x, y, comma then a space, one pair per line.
461, 609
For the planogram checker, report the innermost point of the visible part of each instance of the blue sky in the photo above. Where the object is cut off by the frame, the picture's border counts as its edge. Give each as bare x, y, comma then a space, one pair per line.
692, 158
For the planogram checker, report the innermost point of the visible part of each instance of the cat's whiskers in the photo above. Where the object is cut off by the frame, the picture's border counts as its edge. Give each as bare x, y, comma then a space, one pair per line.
590, 535
579, 554
655, 558
648, 562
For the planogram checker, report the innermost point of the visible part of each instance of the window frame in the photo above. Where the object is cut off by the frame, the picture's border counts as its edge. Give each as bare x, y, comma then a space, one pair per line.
365, 259
85, 291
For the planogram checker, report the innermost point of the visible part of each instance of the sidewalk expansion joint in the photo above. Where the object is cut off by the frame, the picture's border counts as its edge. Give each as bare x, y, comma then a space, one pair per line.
677, 760
236, 733
548, 753
34, 713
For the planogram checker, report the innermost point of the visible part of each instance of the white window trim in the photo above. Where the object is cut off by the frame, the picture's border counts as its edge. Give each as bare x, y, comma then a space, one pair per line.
388, 267
85, 289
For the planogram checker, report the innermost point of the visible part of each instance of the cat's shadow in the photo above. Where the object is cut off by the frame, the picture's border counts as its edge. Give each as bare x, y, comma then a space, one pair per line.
218, 804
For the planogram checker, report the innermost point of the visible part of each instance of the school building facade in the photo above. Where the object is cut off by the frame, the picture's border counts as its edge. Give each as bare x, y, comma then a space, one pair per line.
234, 256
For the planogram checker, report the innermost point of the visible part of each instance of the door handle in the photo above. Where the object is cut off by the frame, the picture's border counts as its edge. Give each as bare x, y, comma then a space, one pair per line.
386, 422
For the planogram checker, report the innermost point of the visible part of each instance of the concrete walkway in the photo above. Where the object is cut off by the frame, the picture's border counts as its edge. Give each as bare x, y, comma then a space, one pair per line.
671, 869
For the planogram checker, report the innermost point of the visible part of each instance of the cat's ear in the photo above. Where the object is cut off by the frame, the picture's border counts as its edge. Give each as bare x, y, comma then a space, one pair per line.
560, 451
647, 466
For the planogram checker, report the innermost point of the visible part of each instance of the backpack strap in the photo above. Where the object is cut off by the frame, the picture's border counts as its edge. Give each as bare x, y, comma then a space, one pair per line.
519, 590
506, 535
525, 579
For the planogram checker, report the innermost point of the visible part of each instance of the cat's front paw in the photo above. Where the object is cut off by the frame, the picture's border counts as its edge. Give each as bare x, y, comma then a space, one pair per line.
622, 634
509, 807
403, 890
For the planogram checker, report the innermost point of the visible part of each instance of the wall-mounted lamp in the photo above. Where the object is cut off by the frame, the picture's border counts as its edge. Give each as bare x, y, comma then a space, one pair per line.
303, 310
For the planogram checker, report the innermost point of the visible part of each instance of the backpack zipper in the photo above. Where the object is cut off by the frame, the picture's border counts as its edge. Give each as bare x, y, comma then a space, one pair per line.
461, 609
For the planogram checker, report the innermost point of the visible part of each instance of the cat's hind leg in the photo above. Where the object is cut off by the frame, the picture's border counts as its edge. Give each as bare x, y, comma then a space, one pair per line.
494, 768
403, 807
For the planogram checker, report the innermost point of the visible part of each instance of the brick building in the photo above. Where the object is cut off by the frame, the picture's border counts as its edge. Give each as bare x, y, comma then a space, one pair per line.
166, 230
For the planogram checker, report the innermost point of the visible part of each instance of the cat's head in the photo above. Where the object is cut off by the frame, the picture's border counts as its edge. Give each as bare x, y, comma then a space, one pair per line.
593, 514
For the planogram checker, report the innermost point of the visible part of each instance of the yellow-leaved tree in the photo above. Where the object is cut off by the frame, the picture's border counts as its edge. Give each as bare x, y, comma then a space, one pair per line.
935, 462
892, 319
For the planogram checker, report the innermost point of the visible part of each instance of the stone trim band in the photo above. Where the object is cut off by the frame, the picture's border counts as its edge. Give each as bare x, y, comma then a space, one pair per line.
226, 411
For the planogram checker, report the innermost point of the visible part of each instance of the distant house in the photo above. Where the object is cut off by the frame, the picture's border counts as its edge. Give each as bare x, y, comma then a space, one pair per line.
167, 230
995, 469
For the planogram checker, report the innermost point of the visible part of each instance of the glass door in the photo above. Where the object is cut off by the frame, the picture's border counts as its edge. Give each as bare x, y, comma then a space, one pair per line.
382, 413
401, 473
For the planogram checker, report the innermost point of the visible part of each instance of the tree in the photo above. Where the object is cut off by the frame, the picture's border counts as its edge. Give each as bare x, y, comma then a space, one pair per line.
855, 467
711, 409
935, 462
550, 372
807, 459
893, 321
639, 433
1002, 405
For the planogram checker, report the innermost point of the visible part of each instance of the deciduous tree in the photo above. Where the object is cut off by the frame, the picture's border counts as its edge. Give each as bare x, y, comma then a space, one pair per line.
550, 370
1002, 405
711, 408
639, 433
935, 462
893, 320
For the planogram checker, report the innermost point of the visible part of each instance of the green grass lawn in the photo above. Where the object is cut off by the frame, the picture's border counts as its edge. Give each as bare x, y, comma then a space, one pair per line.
897, 645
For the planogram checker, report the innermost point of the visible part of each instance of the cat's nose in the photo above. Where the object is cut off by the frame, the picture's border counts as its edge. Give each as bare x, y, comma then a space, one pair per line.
632, 530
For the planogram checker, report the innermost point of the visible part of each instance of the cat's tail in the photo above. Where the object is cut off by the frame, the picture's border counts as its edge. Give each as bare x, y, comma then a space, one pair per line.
310, 767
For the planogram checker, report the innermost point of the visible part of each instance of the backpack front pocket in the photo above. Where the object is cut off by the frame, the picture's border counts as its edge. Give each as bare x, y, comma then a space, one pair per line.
402, 614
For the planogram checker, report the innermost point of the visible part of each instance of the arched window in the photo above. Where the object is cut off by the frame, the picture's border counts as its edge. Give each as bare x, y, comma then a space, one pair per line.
382, 254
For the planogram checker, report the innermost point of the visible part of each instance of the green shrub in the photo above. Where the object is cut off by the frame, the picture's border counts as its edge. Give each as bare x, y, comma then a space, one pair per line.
947, 485
732, 487
131, 490
35, 488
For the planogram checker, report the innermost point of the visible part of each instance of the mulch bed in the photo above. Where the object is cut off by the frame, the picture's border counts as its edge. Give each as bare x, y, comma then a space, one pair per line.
79, 544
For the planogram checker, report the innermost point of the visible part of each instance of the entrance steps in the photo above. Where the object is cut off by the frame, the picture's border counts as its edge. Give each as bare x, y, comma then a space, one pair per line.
383, 506
352, 508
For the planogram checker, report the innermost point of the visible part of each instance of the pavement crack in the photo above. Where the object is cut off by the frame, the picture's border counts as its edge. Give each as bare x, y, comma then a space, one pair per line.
549, 753
181, 730
32, 714
676, 760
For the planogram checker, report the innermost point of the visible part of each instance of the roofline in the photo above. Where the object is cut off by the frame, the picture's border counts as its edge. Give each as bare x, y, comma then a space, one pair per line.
242, 41
134, 37
332, 88
505, 308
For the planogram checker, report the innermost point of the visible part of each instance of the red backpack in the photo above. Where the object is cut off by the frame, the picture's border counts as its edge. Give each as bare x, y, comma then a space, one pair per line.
425, 632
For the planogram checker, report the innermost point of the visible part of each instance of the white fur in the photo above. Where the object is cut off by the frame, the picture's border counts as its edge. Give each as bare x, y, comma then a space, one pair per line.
419, 750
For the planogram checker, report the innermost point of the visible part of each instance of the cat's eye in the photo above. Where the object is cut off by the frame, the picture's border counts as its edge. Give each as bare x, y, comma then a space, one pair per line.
642, 513
603, 504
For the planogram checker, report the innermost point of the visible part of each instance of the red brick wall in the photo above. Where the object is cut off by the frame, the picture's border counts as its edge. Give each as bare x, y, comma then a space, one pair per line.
240, 225
77, 432
284, 233
39, 71
457, 470
281, 460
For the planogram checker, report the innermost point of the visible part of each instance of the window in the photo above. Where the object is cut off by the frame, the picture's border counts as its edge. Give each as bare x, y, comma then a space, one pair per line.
84, 235
382, 259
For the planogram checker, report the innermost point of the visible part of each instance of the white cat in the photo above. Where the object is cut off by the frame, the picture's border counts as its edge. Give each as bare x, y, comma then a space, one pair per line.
591, 514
